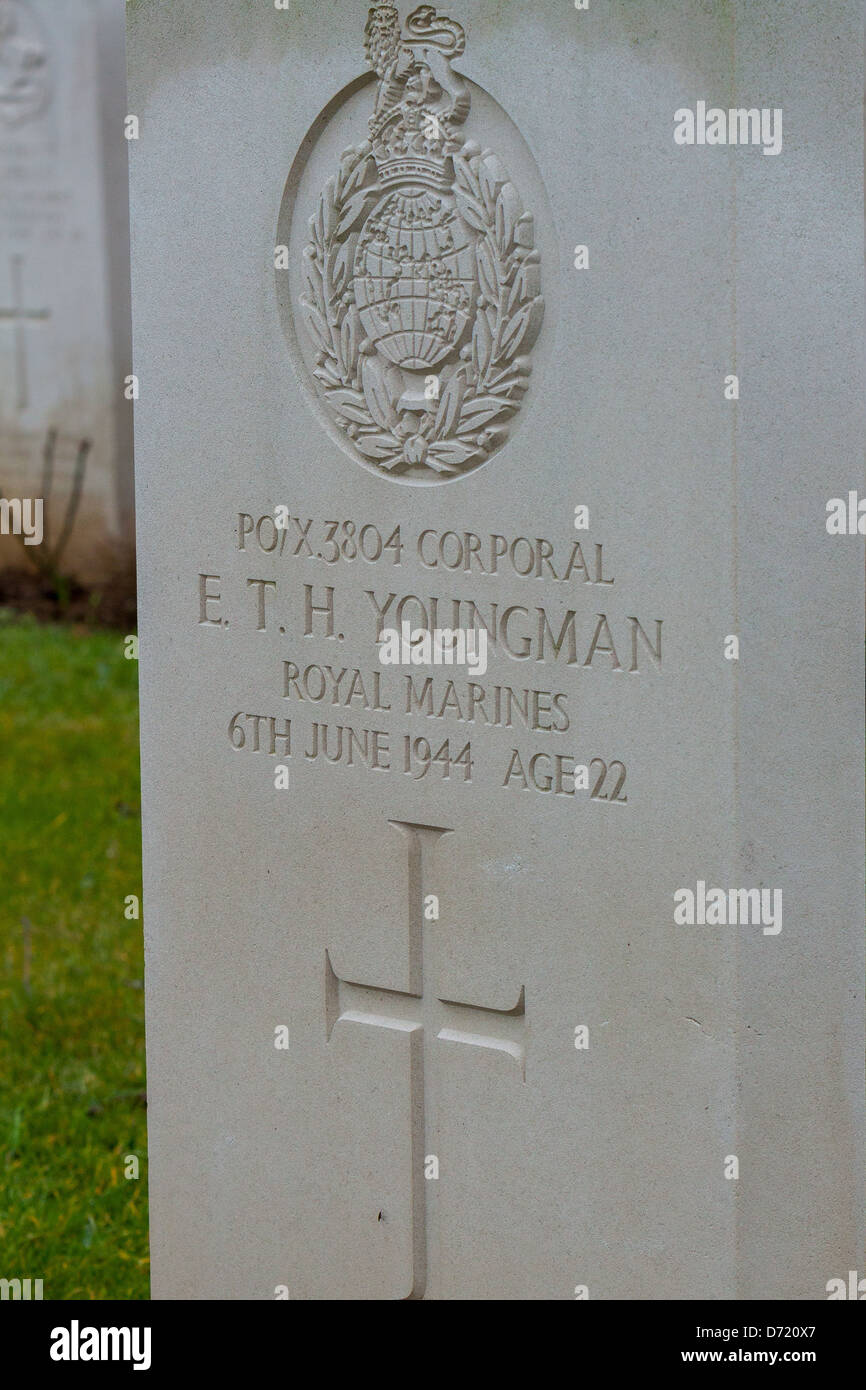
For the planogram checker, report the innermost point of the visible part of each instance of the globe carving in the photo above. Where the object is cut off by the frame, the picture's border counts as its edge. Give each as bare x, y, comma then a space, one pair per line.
415, 277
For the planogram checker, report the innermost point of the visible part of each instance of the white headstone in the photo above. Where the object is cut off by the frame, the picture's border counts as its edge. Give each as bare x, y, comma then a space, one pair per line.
65, 349
441, 329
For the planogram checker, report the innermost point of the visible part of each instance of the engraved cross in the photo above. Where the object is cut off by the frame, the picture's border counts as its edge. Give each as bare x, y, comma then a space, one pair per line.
19, 317
428, 1019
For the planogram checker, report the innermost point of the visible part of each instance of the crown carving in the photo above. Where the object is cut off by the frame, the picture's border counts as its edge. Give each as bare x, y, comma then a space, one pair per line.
421, 101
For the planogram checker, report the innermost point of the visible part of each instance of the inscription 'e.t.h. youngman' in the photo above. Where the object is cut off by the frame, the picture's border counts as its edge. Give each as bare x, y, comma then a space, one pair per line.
422, 289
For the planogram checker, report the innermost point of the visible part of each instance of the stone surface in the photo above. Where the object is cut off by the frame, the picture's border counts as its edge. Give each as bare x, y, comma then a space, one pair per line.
435, 935
65, 334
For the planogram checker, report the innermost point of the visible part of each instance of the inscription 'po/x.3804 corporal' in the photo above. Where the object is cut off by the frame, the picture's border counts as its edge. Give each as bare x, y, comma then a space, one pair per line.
422, 282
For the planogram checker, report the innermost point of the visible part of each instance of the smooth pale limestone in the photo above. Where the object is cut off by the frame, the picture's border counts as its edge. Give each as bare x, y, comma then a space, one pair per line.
65, 332
421, 1022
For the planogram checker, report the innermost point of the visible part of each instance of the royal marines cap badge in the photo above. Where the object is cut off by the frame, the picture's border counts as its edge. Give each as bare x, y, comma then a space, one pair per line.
422, 281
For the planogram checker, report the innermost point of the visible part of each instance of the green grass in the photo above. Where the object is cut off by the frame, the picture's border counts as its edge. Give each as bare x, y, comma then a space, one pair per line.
71, 966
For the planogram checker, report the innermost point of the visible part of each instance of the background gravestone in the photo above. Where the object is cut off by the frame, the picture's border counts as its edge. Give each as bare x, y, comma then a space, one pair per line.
64, 277
435, 933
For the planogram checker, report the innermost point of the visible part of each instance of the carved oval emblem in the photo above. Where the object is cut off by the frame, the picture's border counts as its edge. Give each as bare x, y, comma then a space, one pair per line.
24, 77
421, 296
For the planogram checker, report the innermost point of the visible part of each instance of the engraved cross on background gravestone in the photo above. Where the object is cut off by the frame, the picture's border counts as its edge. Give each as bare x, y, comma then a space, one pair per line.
19, 317
432, 1019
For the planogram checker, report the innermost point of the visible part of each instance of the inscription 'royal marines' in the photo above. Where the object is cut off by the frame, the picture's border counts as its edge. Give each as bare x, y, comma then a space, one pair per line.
422, 281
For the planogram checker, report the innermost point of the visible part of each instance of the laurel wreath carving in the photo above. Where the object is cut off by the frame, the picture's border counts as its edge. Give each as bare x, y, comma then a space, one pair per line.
467, 421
